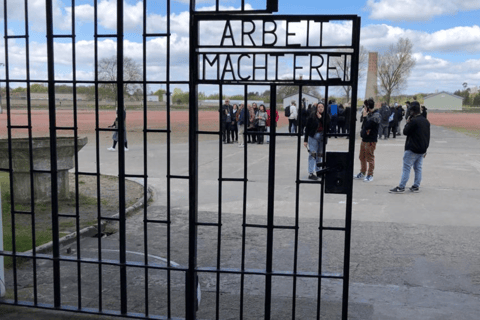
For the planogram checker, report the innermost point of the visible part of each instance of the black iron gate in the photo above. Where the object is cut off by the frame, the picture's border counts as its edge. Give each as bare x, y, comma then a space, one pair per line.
256, 254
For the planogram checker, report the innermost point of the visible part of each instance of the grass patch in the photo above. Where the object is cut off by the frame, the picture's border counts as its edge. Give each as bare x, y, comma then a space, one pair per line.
468, 132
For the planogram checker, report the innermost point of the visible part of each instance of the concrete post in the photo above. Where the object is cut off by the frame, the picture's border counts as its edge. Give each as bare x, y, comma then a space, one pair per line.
2, 272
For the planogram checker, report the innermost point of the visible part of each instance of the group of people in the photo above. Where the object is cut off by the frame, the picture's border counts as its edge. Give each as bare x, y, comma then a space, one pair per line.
392, 117
297, 117
416, 130
254, 120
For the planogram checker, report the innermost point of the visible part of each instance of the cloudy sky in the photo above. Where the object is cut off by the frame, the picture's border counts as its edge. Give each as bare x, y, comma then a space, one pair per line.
445, 34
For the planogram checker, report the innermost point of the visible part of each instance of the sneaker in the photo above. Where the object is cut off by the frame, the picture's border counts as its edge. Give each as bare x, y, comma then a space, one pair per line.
397, 190
359, 176
126, 149
368, 179
414, 189
240, 145
311, 176
111, 149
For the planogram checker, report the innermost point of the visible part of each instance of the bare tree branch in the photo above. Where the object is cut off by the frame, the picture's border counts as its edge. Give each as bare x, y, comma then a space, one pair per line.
395, 65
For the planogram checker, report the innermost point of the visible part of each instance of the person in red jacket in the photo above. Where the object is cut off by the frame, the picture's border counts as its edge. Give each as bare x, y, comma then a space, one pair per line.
268, 122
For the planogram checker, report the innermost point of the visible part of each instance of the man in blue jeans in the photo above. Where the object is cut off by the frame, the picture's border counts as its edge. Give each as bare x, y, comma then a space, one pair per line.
417, 131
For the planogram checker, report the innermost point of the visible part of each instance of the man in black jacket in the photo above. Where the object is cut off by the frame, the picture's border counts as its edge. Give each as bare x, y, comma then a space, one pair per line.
371, 119
417, 130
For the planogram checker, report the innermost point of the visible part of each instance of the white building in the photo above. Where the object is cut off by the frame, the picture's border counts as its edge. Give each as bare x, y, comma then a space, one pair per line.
443, 101
295, 97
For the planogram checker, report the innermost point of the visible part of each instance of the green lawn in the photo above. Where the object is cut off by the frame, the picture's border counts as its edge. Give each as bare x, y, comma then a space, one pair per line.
23, 229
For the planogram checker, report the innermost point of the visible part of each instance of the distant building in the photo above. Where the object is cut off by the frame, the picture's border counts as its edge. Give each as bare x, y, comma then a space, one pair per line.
443, 101
295, 97
152, 98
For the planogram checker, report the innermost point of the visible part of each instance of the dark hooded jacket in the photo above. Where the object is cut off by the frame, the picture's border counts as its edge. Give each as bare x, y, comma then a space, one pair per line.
417, 131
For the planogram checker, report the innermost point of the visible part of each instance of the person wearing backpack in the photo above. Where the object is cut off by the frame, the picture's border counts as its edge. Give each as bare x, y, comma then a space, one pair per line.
291, 110
383, 127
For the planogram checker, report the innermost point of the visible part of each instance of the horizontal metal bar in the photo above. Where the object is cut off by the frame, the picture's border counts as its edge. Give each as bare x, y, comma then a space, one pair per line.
157, 221
109, 262
81, 173
136, 176
208, 132
274, 273
338, 134
63, 36
178, 177
286, 227
233, 180
16, 37
332, 228
157, 34
19, 127
310, 181
105, 35
66, 128
23, 212
208, 224
87, 81
106, 129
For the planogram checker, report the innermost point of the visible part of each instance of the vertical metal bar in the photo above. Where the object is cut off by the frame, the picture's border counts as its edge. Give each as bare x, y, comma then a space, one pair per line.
191, 292
219, 228
75, 143
297, 210
10, 160
30, 150
53, 153
97, 156
270, 216
167, 89
244, 205
145, 155
121, 160
351, 150
322, 196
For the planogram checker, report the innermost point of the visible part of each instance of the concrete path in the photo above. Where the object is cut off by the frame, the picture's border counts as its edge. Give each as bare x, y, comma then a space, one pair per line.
413, 255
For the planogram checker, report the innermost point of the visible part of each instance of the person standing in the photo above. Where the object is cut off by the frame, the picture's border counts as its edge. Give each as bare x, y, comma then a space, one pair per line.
234, 127
400, 114
341, 119
115, 134
385, 115
268, 122
314, 135
225, 110
242, 118
292, 119
261, 118
369, 134
417, 130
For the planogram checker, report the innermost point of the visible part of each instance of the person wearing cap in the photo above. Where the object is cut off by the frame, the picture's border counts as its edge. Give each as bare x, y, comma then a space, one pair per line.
417, 130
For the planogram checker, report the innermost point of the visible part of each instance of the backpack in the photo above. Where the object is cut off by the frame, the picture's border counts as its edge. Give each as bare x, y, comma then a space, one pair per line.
287, 111
385, 113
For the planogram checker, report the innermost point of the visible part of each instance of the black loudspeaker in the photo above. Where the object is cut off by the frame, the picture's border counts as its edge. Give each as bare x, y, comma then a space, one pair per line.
337, 177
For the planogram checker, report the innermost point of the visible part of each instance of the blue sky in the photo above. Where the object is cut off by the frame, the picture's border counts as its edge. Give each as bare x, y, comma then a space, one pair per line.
445, 34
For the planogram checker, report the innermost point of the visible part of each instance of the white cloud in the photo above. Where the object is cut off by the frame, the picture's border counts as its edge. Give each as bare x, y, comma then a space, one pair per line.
414, 10
458, 39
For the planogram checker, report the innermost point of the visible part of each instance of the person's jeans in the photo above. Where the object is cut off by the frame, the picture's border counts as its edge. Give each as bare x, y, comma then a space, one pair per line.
315, 147
292, 126
382, 130
411, 159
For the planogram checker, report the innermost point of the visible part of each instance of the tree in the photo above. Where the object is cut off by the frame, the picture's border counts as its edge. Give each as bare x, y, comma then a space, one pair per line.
344, 67
394, 67
107, 71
